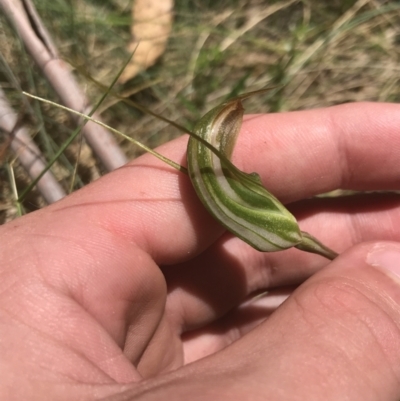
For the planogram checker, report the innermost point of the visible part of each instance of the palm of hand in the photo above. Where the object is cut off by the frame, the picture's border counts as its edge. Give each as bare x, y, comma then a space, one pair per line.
83, 298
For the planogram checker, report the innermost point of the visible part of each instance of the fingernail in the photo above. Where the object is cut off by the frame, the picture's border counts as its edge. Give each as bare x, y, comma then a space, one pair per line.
387, 257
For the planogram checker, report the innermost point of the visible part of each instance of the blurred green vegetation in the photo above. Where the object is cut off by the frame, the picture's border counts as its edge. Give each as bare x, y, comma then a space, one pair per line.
318, 53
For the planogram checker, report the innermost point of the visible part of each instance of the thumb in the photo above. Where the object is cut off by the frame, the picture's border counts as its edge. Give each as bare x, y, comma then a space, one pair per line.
338, 336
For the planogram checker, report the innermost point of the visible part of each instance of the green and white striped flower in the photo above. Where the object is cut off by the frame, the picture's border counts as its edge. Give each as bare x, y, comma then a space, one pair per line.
236, 199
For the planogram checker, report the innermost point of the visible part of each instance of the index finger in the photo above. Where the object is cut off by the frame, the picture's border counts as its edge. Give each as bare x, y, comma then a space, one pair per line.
301, 154
297, 155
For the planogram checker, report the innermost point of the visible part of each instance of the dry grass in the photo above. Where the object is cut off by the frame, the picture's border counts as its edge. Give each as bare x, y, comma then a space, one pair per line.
320, 53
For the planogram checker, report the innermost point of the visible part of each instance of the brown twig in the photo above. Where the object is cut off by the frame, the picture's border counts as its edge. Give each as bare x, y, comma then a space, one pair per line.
27, 152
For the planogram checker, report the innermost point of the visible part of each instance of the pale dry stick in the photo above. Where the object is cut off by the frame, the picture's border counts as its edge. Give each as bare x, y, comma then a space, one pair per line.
28, 153
40, 46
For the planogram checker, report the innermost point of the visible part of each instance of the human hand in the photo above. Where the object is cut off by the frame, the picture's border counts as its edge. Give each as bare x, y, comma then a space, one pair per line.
113, 291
